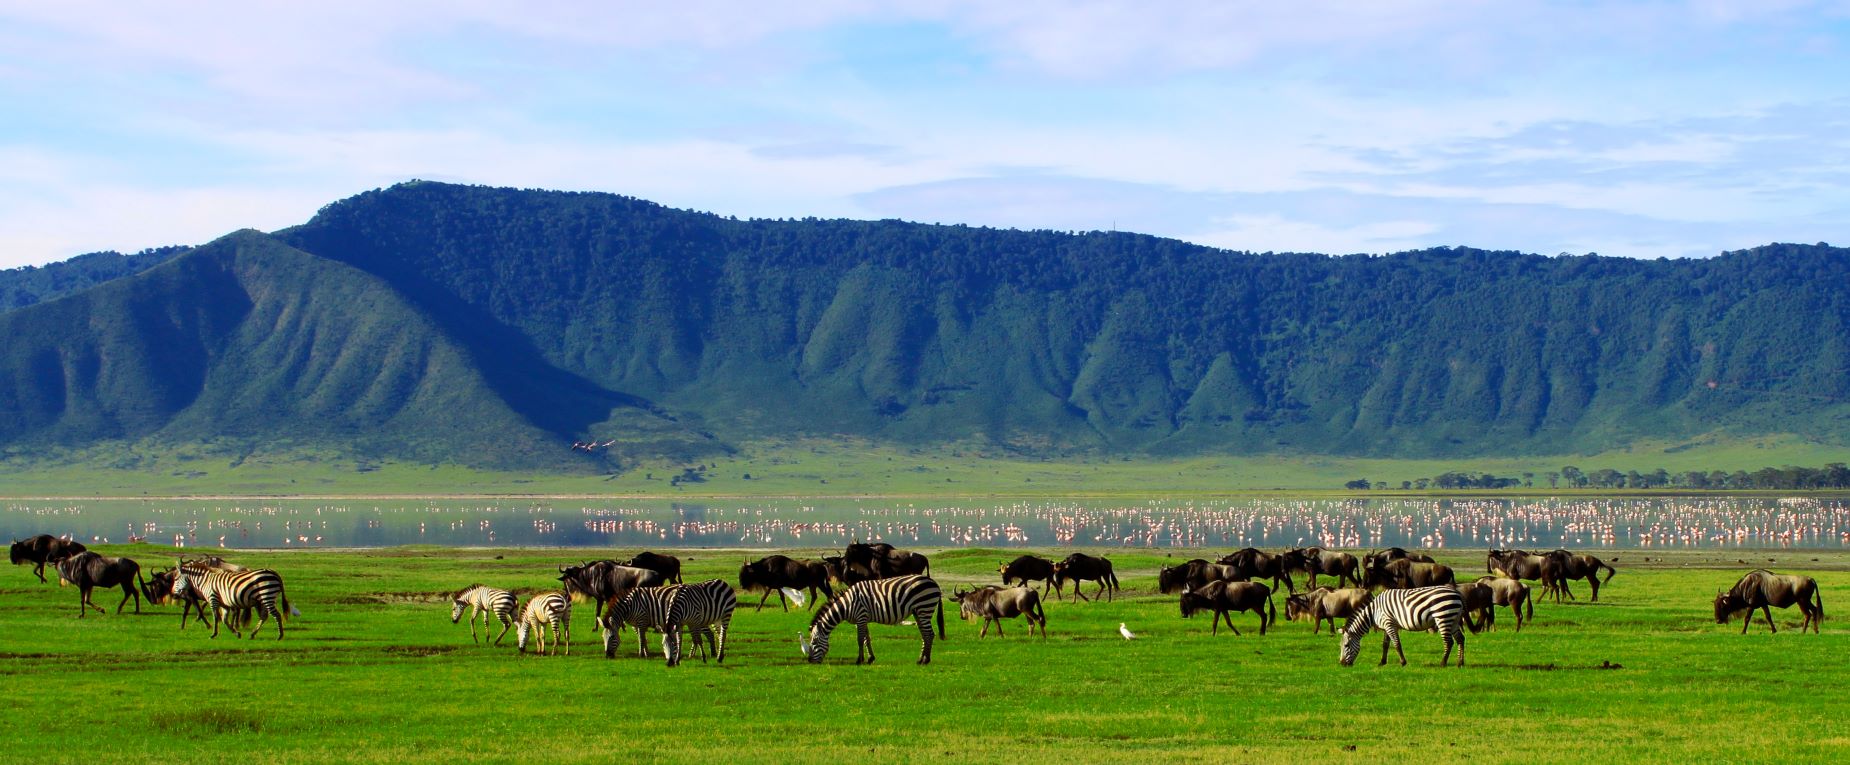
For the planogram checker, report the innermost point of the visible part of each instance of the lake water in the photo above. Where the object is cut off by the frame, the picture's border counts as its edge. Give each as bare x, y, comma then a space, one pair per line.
1537, 522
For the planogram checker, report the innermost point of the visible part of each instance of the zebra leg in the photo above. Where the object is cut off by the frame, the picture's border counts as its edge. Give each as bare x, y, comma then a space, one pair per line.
506, 624
1394, 635
1385, 639
642, 641
864, 645
719, 651
923, 618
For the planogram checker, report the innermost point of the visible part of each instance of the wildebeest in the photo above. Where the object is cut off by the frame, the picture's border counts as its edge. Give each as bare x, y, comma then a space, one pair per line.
1766, 590
1028, 568
44, 549
1252, 563
666, 565
1324, 603
861, 562
1080, 567
993, 604
605, 579
1194, 575
1375, 563
1223, 598
88, 571
1503, 592
1515, 564
773, 573
1341, 565
1568, 566
1406, 574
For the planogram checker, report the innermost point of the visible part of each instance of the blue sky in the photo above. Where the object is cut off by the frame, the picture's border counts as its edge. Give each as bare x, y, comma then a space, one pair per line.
1644, 129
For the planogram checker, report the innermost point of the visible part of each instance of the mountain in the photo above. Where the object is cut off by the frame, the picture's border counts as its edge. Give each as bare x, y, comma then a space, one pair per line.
551, 316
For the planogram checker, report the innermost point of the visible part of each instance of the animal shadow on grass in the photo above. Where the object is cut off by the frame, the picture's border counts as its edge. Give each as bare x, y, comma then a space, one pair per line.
194, 722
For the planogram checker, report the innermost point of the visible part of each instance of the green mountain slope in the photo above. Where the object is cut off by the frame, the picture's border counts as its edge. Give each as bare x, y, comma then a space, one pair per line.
1115, 342
249, 342
484, 326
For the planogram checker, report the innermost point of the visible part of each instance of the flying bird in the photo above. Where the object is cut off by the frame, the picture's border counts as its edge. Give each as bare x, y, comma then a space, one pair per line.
794, 595
1125, 631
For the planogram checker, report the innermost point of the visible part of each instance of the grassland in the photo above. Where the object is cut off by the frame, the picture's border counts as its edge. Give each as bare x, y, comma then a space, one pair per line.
374, 672
833, 468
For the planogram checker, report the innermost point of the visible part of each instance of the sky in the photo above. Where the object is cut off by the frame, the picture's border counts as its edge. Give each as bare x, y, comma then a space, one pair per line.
1643, 129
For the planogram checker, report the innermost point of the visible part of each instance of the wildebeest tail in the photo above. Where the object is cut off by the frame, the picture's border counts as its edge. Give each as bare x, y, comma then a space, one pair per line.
1528, 599
1609, 571
1817, 596
1271, 611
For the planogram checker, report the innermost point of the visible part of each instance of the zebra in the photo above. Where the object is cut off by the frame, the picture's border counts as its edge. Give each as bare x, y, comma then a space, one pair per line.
701, 609
887, 601
644, 608
1439, 609
486, 602
546, 608
228, 591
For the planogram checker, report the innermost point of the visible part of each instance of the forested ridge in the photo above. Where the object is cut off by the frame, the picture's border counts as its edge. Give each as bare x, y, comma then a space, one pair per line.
582, 315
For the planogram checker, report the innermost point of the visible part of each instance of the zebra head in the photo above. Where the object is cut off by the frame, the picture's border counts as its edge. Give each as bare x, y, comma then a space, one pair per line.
1352, 637
182, 581
815, 644
456, 611
520, 635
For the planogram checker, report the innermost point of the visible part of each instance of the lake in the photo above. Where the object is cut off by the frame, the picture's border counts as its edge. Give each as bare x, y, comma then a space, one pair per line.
1530, 522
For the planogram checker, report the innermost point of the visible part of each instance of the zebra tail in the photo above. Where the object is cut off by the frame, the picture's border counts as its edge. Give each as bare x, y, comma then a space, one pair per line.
291, 606
941, 633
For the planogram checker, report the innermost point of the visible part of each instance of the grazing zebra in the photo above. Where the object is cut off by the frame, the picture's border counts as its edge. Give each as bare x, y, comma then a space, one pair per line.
1439, 609
644, 608
226, 592
552, 608
702, 609
486, 602
887, 601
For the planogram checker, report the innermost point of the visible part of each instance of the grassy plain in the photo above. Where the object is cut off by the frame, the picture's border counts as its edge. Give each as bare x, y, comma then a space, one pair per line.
836, 468
374, 672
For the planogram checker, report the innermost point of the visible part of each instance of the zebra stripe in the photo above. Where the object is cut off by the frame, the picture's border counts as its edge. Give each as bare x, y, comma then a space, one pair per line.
546, 608
1426, 609
226, 592
887, 601
702, 609
644, 608
486, 602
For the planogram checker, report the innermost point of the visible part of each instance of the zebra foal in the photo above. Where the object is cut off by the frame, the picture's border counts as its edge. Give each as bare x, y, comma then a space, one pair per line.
546, 608
487, 603
1426, 609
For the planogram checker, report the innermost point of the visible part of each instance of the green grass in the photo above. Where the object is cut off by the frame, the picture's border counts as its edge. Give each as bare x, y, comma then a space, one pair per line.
373, 672
838, 468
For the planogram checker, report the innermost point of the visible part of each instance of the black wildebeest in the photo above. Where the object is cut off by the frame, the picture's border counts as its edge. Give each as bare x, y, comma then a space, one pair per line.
1223, 598
89, 571
1406, 574
1194, 575
773, 573
605, 579
993, 604
1766, 590
1569, 566
1251, 563
1324, 603
44, 549
1341, 565
1080, 567
666, 565
1028, 568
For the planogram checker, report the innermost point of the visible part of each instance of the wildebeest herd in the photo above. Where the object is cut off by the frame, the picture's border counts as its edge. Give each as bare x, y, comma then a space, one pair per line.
1393, 590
